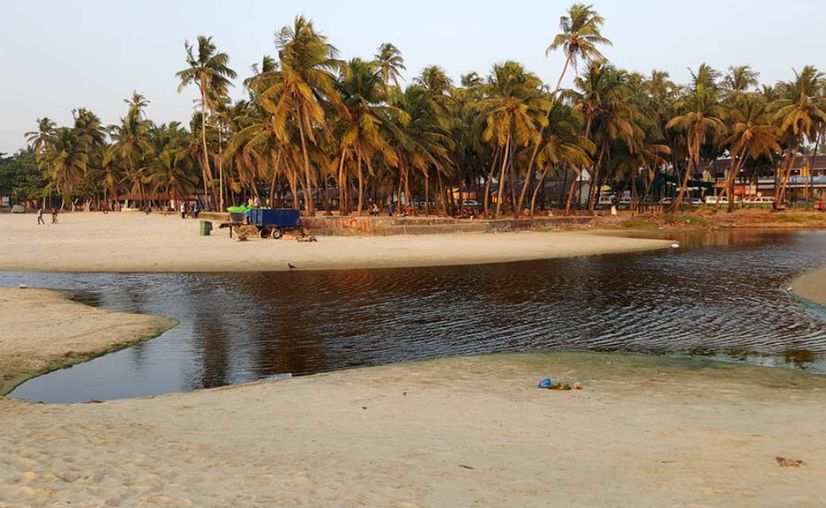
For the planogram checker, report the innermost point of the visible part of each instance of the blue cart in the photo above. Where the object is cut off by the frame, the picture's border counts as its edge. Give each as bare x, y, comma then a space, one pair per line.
273, 223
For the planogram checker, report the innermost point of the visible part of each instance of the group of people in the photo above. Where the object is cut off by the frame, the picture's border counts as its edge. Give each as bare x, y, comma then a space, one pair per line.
374, 211
40, 216
190, 211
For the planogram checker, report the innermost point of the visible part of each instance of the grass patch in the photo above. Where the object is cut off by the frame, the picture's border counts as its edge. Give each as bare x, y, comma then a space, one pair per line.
686, 220
639, 223
797, 218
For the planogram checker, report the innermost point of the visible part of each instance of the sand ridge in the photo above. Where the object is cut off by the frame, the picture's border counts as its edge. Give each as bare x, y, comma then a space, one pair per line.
43, 330
129, 242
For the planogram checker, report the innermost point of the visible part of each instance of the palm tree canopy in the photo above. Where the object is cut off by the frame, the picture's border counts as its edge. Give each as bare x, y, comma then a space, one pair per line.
580, 34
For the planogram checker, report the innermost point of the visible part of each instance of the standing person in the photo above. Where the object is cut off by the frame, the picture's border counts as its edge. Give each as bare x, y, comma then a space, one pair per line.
40, 216
54, 215
183, 210
256, 203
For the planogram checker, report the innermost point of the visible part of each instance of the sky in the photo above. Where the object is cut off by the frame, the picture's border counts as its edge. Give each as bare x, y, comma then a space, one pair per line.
59, 55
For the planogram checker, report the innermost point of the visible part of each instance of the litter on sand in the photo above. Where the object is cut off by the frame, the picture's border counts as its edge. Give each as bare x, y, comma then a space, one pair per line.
548, 384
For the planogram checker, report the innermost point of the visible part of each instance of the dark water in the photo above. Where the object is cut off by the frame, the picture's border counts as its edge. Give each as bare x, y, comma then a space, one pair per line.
722, 294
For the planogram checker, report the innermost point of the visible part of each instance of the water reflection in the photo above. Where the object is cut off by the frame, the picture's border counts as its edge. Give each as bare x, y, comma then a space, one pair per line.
720, 295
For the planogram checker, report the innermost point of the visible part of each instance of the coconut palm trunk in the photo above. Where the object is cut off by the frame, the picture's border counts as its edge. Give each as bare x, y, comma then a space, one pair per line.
342, 182
538, 187
272, 182
309, 206
734, 169
206, 172
360, 203
501, 191
780, 192
538, 143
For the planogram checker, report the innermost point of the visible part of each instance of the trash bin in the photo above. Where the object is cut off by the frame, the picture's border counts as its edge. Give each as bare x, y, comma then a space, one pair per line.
206, 227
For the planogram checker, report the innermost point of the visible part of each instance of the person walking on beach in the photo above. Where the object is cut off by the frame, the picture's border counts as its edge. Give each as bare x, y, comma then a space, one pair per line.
54, 215
40, 216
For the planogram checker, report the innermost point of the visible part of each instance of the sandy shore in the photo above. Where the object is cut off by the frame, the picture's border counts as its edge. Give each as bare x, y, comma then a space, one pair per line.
123, 242
453, 432
645, 431
43, 330
812, 286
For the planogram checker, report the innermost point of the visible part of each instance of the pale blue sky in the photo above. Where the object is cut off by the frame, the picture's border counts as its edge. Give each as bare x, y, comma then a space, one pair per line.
57, 55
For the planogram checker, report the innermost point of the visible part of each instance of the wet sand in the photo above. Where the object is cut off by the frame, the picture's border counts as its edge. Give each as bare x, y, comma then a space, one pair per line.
645, 431
812, 286
129, 242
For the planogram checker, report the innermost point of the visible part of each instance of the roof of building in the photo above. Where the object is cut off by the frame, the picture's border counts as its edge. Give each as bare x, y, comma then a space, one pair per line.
818, 164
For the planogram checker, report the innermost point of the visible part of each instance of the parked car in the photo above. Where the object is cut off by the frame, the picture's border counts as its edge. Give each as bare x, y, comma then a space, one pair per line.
758, 200
17, 209
606, 200
695, 201
469, 202
716, 200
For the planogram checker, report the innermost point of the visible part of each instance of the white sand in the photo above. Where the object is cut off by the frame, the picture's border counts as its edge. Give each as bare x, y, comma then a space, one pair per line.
453, 432
131, 242
645, 431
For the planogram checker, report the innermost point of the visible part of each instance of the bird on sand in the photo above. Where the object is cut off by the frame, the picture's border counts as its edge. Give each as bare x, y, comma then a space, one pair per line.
292, 267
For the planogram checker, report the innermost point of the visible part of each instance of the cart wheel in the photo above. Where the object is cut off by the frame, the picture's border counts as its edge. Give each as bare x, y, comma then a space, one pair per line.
277, 233
264, 233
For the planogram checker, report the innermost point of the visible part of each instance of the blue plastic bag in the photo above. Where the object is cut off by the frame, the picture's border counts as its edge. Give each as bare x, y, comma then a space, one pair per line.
545, 383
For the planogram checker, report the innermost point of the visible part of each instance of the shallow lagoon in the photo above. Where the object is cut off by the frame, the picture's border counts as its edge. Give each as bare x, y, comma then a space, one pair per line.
721, 295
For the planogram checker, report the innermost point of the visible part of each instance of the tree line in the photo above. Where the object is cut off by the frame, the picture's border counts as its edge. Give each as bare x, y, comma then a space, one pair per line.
319, 132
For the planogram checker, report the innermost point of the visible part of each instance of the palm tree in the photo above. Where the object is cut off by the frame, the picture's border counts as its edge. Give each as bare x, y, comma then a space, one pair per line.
564, 147
514, 107
799, 113
579, 37
65, 162
306, 86
705, 75
361, 91
422, 144
170, 166
603, 97
43, 137
739, 80
131, 145
700, 122
209, 69
391, 63
751, 135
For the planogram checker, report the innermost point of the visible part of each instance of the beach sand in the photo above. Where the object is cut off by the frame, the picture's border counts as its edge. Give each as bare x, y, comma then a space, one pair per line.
130, 242
644, 431
43, 330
